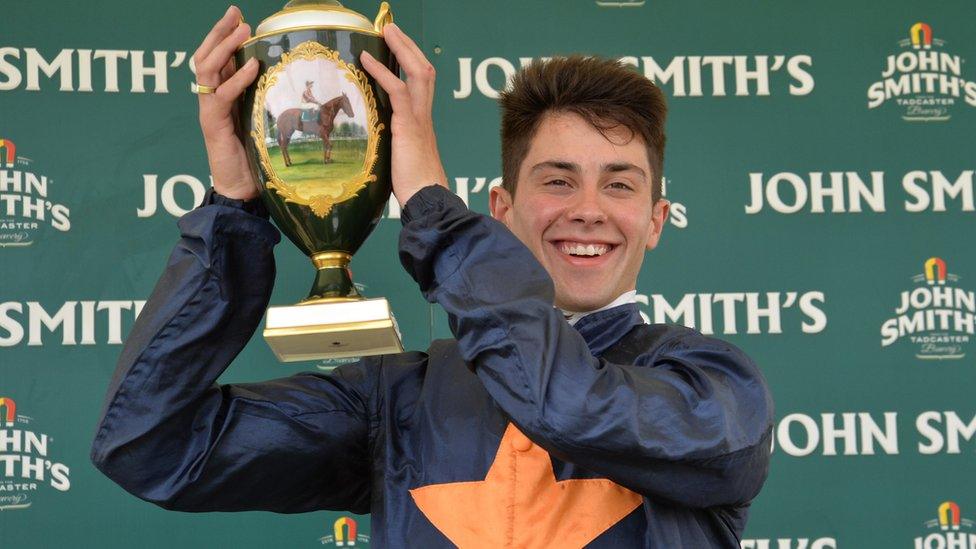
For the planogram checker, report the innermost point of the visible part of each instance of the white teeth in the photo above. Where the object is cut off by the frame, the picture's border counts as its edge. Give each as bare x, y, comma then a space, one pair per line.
584, 249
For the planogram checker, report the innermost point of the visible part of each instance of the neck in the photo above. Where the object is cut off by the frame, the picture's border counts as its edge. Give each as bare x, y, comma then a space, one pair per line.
627, 297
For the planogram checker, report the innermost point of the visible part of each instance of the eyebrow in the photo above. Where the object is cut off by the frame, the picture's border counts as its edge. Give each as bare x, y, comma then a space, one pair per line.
612, 167
557, 164
623, 167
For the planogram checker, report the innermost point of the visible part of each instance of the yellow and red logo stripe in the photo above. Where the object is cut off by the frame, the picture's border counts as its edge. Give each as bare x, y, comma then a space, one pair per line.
935, 270
11, 406
949, 515
347, 535
921, 35
8, 146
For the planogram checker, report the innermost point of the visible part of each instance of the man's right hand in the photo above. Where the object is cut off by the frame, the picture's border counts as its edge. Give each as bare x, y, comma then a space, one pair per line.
214, 63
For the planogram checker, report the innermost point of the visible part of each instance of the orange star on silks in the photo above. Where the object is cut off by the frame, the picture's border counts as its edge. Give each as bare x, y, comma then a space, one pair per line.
521, 504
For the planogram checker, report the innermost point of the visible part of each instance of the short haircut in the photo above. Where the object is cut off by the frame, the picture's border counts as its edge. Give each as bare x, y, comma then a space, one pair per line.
604, 92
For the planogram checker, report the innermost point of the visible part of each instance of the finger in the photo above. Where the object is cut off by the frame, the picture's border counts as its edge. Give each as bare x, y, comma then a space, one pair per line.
391, 83
211, 101
226, 25
228, 70
403, 37
223, 52
418, 69
411, 59
234, 86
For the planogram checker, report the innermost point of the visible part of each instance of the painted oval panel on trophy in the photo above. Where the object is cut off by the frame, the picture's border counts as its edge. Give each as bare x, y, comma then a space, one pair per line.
315, 128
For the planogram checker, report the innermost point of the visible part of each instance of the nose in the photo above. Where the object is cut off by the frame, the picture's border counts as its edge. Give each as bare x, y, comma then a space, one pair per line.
586, 208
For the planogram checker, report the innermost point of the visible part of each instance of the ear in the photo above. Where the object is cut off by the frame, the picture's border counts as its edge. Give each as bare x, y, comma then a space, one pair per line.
659, 217
500, 203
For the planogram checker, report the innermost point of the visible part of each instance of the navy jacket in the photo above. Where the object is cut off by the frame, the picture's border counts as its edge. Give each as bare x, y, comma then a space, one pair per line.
523, 432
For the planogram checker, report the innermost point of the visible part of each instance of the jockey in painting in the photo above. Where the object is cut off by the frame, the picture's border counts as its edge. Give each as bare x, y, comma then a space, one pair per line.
310, 105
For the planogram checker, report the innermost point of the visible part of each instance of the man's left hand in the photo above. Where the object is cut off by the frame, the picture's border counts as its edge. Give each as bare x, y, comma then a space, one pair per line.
416, 162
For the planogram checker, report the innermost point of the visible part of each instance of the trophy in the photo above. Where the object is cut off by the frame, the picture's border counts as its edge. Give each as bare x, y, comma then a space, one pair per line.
316, 129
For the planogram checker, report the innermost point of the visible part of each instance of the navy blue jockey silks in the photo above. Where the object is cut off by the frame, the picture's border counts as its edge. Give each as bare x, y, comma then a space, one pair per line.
609, 433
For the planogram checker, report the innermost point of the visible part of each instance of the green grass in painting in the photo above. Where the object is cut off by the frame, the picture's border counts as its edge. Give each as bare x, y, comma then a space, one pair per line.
348, 158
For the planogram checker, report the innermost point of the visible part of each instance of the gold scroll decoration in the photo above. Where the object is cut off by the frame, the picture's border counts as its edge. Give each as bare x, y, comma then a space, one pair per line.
325, 193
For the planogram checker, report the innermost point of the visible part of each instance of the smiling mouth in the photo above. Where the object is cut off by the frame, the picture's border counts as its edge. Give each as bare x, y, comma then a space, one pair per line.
583, 249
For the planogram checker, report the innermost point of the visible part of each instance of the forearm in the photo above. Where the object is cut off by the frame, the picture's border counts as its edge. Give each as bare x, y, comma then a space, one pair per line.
162, 398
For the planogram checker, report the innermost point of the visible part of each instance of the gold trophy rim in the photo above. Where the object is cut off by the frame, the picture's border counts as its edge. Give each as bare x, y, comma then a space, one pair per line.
383, 16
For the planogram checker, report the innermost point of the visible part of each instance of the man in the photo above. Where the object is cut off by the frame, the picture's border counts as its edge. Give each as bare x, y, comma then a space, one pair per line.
309, 105
526, 430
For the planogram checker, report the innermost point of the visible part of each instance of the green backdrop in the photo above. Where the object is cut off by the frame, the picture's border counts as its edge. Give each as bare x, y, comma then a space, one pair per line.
814, 188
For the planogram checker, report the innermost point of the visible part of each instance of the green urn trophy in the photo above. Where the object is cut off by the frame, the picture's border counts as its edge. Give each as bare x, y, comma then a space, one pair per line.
316, 129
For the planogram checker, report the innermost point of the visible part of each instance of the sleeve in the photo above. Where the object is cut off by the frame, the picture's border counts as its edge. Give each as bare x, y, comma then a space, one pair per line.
172, 436
690, 423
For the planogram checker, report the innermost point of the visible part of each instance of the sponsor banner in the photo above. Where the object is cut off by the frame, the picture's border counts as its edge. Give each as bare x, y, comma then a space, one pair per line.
679, 76
27, 204
71, 323
866, 434
852, 192
730, 313
26, 459
925, 78
345, 533
789, 543
88, 70
176, 195
948, 530
827, 110
937, 316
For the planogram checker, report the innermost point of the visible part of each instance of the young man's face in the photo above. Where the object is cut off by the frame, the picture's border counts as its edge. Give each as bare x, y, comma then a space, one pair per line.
583, 206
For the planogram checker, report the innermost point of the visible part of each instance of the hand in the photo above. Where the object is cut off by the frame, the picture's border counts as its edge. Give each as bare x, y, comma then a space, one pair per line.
416, 162
214, 63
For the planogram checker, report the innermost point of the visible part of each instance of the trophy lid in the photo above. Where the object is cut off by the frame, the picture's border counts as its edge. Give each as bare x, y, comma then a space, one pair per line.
299, 14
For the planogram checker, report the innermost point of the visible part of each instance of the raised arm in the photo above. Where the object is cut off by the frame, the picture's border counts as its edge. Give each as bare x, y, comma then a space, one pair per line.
170, 435
688, 421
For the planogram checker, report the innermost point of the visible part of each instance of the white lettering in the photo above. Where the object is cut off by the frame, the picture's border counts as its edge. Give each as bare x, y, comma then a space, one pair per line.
811, 434
36, 64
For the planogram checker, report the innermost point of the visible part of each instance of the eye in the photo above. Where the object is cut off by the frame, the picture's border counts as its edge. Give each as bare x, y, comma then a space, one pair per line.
621, 185
557, 183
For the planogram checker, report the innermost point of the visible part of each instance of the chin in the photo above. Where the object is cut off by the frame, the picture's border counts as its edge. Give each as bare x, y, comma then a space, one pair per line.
581, 293
579, 304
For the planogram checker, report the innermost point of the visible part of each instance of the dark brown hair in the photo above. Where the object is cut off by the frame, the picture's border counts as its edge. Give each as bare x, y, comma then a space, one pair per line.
605, 92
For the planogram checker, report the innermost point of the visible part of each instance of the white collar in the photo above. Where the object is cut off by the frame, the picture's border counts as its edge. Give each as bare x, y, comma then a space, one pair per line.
626, 297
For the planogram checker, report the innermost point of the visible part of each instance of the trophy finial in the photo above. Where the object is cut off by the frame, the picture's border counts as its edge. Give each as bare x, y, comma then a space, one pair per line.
383, 17
311, 3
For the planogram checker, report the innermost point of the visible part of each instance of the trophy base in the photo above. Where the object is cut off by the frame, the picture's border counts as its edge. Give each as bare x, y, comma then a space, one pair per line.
332, 329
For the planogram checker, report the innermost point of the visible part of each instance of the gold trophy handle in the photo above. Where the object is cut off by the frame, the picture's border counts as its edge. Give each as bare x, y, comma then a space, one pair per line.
383, 17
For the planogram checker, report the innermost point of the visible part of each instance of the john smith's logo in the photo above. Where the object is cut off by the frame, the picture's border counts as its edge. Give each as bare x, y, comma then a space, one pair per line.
924, 80
951, 529
937, 316
24, 202
24, 459
345, 534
